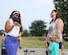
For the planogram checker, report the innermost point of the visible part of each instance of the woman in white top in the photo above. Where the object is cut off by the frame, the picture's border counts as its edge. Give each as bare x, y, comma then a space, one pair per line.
12, 27
56, 24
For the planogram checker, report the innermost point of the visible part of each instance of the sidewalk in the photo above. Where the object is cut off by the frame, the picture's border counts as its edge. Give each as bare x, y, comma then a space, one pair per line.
38, 51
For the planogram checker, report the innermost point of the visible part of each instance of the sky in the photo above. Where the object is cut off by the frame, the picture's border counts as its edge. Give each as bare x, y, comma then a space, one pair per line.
30, 10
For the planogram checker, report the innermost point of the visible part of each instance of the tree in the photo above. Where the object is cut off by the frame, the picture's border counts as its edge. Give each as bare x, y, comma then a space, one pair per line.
62, 6
37, 28
1, 32
25, 33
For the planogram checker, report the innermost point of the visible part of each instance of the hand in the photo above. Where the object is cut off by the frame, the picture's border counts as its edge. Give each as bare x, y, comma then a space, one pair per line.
46, 46
17, 24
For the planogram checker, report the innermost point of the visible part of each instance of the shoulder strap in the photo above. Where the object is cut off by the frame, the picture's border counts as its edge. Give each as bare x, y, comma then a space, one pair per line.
11, 22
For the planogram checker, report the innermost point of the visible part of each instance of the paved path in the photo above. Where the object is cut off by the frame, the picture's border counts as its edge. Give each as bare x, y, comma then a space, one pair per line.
38, 51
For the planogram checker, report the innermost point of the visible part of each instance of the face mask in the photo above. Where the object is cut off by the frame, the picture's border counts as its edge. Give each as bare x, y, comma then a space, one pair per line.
16, 19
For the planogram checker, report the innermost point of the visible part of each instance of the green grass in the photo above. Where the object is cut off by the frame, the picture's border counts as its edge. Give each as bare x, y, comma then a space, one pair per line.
66, 45
34, 42
37, 42
0, 41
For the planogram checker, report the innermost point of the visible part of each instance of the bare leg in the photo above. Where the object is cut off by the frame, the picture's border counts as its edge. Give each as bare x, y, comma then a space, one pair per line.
60, 52
62, 48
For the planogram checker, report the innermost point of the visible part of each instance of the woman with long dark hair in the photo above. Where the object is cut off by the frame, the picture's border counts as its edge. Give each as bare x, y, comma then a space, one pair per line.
12, 27
56, 24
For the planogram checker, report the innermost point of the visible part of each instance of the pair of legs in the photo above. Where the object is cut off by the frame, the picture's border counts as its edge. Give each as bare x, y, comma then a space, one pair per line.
62, 47
11, 44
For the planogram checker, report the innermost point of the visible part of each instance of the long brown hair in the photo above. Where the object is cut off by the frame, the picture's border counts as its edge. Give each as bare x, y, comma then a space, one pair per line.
57, 15
21, 29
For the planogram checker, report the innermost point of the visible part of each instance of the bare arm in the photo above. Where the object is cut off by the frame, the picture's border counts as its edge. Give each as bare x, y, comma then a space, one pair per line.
8, 28
46, 45
60, 26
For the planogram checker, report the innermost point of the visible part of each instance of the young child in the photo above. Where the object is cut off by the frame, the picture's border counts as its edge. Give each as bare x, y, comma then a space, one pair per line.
53, 48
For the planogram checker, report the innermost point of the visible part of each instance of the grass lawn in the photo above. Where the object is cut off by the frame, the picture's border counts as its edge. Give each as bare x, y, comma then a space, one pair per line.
34, 42
66, 45
37, 42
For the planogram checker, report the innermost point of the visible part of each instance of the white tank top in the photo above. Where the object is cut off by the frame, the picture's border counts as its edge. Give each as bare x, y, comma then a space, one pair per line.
14, 32
52, 28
